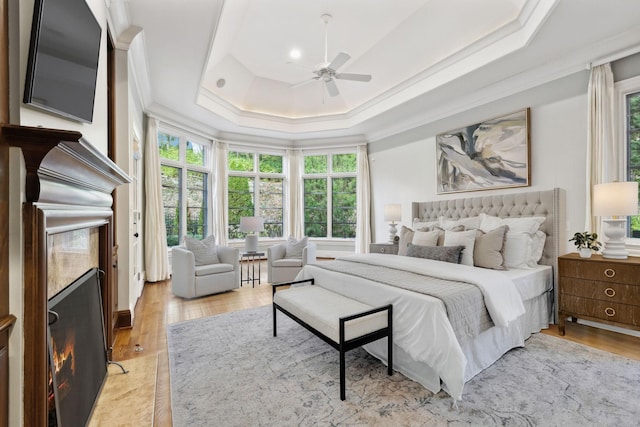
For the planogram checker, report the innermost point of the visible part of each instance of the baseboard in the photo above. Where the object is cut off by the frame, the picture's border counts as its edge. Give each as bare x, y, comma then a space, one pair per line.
123, 319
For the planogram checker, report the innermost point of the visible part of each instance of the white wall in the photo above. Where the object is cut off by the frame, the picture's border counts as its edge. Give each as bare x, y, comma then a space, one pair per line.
403, 167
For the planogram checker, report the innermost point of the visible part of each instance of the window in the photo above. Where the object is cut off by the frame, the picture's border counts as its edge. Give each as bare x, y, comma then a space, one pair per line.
256, 188
185, 172
629, 95
330, 195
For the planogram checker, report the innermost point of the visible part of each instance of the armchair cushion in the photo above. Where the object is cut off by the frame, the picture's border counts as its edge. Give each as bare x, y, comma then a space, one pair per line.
287, 262
295, 247
204, 251
204, 270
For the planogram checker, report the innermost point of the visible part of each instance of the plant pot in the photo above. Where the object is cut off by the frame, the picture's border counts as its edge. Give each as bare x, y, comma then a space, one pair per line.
585, 252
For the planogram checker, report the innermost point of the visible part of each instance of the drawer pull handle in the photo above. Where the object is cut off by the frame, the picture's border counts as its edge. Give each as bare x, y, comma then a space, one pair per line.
609, 312
610, 272
610, 292
382, 250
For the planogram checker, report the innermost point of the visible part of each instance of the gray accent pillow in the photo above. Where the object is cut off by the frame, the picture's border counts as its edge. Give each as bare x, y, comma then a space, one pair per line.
451, 254
295, 247
489, 249
406, 237
204, 251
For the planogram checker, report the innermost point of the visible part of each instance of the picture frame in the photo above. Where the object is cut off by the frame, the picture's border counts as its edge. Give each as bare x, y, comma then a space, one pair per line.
488, 155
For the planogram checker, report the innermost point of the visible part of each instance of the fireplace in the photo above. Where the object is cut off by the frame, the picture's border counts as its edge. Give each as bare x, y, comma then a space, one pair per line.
77, 351
68, 230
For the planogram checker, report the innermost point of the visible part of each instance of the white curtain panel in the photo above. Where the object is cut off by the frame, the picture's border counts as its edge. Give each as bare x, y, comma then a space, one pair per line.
220, 213
363, 220
602, 165
155, 233
296, 208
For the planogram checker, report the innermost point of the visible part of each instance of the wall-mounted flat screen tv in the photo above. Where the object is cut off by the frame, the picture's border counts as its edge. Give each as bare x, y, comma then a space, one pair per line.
63, 59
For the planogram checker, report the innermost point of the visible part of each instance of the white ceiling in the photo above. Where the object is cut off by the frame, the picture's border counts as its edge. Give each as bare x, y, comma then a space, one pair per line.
428, 58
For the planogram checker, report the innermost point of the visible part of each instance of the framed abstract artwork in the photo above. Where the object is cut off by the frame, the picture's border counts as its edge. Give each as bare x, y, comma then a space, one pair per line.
485, 156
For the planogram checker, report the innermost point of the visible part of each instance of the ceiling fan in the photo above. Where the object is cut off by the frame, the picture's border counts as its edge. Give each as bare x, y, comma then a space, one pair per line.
327, 71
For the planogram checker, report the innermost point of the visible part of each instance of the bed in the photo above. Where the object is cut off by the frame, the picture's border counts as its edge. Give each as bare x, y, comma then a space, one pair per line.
427, 348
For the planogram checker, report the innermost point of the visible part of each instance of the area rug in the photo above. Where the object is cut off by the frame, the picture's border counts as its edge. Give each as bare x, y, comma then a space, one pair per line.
229, 370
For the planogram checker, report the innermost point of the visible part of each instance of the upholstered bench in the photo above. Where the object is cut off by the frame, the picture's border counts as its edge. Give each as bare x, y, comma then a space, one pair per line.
342, 322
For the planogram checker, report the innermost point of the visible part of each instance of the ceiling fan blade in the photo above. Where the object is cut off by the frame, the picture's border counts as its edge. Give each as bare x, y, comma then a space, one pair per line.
355, 77
339, 61
332, 89
302, 83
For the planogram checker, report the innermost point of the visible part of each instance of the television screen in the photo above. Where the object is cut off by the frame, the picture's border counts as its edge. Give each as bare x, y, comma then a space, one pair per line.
63, 59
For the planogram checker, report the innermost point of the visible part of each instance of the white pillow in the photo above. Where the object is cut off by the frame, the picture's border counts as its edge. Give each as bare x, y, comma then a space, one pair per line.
295, 247
537, 246
464, 238
417, 224
528, 225
517, 250
468, 223
425, 238
406, 237
204, 251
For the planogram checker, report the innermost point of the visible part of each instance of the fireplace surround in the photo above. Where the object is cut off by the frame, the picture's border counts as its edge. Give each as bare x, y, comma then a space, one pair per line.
68, 188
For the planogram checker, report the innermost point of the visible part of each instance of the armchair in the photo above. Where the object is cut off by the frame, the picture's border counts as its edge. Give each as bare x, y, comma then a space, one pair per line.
281, 268
190, 280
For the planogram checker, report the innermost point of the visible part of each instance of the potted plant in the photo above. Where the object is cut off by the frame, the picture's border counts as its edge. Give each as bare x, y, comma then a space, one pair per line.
586, 243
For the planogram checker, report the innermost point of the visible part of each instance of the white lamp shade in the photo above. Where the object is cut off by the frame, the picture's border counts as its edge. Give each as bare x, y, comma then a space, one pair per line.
393, 212
615, 199
251, 224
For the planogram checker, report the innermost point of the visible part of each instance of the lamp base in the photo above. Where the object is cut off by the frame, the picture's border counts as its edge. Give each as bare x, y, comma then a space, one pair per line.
614, 247
392, 232
251, 243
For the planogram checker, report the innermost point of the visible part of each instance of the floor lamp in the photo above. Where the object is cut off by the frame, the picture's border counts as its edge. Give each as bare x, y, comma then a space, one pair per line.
251, 225
392, 213
616, 200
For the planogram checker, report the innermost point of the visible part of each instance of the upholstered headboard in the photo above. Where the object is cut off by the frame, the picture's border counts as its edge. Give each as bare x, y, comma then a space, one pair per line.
549, 204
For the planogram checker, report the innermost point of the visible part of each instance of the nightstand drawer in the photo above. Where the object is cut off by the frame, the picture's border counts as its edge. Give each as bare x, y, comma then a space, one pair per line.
603, 291
383, 248
610, 311
604, 271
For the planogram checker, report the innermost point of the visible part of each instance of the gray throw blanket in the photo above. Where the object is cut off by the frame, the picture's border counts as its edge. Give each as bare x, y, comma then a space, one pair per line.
464, 302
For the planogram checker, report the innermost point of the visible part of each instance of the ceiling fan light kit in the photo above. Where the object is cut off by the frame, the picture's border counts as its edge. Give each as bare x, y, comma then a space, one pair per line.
326, 71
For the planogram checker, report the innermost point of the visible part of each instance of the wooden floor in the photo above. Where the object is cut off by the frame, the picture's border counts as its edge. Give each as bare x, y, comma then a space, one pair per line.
158, 307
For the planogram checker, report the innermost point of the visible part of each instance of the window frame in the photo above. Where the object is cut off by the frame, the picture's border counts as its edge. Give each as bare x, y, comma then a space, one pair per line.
256, 175
622, 89
183, 166
329, 175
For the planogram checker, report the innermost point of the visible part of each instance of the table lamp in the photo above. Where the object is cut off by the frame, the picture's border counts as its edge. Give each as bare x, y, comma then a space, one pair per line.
616, 200
251, 225
392, 213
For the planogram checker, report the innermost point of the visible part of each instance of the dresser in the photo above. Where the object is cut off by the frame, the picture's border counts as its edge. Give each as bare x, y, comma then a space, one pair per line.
599, 289
383, 248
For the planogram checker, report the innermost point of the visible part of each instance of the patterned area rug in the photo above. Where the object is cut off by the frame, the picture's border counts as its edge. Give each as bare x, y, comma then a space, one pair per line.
229, 370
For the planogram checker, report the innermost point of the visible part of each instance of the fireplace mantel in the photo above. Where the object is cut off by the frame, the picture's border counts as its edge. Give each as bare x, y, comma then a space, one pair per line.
69, 185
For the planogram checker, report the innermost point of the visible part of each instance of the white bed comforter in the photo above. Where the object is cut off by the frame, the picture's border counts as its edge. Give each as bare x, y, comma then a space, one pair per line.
421, 327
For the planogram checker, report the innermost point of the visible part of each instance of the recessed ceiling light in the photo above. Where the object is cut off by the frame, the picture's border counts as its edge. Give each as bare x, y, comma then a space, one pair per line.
295, 53
220, 83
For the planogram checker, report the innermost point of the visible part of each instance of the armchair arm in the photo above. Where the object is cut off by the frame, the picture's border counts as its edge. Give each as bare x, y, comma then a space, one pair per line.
274, 253
183, 272
229, 255
309, 254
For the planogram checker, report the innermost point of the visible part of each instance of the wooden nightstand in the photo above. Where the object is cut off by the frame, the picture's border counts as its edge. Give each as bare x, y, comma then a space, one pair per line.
599, 289
383, 248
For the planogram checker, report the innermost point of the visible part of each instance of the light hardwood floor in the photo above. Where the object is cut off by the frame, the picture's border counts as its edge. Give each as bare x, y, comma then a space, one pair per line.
158, 307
